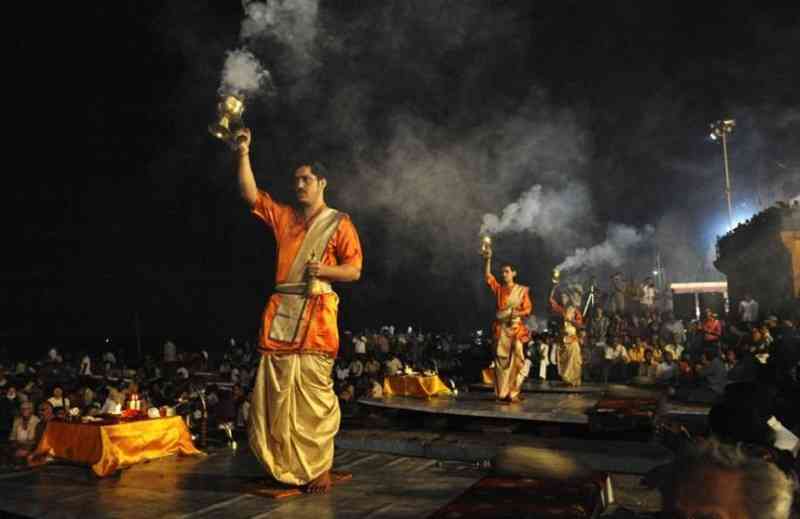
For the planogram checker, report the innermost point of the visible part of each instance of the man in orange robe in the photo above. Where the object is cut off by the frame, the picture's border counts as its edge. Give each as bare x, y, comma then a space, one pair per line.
294, 412
510, 333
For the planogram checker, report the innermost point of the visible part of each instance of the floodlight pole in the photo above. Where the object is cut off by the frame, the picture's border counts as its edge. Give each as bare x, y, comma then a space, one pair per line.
727, 179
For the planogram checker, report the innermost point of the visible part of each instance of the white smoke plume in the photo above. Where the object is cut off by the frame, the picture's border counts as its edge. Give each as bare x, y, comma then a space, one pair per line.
293, 23
617, 248
243, 75
540, 211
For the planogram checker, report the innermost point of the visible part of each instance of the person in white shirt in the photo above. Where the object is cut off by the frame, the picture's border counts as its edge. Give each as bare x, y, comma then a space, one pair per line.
748, 309
648, 291
342, 371
113, 403
544, 359
360, 345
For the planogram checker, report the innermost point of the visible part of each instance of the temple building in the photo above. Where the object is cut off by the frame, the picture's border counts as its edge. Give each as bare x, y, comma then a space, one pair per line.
762, 257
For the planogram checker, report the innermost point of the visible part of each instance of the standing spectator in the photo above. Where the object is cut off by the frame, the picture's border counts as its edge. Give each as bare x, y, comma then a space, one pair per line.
170, 351
372, 367
599, 327
748, 310
110, 358
712, 330
86, 366
648, 294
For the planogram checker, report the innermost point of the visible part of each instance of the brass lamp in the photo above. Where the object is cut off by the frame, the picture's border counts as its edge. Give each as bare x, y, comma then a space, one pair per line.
229, 113
486, 245
556, 276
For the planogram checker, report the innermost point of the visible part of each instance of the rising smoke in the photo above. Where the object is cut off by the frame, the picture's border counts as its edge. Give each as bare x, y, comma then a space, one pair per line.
243, 75
420, 106
292, 24
621, 244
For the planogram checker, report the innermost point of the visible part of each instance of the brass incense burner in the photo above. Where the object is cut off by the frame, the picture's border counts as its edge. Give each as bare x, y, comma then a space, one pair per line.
556, 276
229, 114
486, 246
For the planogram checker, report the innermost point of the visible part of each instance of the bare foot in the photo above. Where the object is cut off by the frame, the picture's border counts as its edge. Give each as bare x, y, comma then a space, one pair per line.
320, 485
517, 399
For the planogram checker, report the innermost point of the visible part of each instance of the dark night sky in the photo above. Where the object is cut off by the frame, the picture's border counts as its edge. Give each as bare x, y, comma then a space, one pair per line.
152, 224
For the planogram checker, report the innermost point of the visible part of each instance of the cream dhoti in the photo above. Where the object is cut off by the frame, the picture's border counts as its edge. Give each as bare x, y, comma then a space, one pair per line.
294, 416
510, 335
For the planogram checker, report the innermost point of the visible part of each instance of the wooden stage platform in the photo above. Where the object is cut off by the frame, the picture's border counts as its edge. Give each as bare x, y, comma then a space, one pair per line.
549, 407
553, 403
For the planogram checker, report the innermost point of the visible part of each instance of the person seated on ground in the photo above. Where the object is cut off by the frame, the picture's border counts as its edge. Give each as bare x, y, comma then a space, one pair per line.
372, 367
46, 415
393, 365
745, 366
667, 370
713, 480
341, 369
658, 352
648, 369
113, 402
709, 382
57, 398
635, 358
674, 347
346, 392
60, 413
356, 367
615, 361
375, 388
23, 433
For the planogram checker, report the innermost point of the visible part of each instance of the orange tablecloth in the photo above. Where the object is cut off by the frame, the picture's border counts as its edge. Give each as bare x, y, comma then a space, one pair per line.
109, 447
414, 385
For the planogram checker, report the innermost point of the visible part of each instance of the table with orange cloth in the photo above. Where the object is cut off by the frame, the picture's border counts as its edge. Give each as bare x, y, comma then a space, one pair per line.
108, 446
414, 385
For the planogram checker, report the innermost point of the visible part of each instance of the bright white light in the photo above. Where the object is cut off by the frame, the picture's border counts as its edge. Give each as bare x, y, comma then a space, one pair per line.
713, 136
655, 272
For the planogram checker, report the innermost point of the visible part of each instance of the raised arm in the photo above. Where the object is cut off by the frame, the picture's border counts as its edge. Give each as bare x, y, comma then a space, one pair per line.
247, 181
487, 263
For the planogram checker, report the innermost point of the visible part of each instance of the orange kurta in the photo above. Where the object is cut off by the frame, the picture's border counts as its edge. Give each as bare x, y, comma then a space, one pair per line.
524, 309
344, 248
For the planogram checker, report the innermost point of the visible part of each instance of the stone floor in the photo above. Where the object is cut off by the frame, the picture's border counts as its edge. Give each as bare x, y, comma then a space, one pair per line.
225, 485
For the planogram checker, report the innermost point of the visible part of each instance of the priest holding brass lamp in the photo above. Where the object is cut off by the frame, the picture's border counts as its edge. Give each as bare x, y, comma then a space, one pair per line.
509, 331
